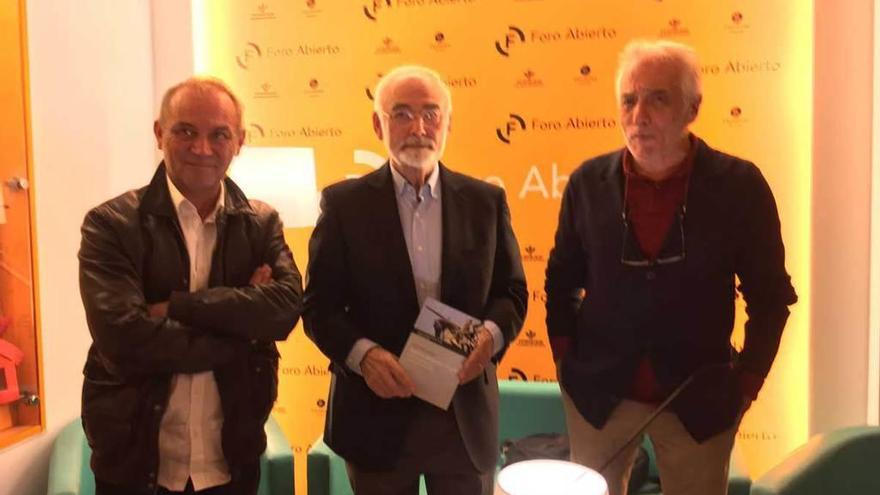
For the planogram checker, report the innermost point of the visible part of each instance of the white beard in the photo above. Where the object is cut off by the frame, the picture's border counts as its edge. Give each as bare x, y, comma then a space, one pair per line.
418, 158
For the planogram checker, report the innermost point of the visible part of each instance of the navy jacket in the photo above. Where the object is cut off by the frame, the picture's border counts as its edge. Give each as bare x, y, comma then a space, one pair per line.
680, 314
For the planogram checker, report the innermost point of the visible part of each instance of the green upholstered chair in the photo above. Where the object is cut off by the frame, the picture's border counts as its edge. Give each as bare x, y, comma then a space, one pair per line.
526, 408
69, 472
842, 462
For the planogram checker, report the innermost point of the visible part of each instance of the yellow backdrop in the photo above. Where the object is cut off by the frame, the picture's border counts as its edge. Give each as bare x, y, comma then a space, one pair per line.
532, 84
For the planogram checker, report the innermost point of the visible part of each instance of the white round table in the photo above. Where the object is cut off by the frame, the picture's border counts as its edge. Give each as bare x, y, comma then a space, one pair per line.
549, 477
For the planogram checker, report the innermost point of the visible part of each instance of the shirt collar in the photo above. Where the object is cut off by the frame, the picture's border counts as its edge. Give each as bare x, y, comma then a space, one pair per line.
179, 200
401, 184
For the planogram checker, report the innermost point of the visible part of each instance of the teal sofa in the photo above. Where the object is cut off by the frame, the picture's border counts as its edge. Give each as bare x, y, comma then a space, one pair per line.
69, 472
526, 408
842, 462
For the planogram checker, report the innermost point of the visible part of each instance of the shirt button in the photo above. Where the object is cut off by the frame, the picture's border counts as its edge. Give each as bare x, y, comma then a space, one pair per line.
651, 275
157, 407
419, 248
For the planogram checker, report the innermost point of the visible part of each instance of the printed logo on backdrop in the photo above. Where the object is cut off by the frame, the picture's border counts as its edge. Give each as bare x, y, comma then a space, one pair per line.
538, 182
531, 254
265, 91
372, 9
519, 375
311, 8
249, 54
313, 88
253, 53
262, 12
514, 124
765, 436
736, 23
518, 36
319, 407
387, 47
462, 82
737, 67
369, 89
517, 124
310, 370
255, 133
538, 296
735, 117
258, 134
529, 80
585, 75
529, 338
675, 28
439, 42
513, 36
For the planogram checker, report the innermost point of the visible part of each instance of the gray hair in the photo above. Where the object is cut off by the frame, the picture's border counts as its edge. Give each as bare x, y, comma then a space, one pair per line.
406, 72
682, 56
201, 84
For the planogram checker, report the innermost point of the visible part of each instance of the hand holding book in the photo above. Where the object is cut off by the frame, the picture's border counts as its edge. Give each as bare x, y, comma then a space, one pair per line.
479, 357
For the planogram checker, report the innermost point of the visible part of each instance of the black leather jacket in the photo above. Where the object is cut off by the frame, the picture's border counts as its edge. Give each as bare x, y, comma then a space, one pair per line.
133, 255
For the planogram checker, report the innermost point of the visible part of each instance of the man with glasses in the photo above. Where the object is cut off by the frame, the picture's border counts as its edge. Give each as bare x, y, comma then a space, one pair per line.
383, 244
641, 285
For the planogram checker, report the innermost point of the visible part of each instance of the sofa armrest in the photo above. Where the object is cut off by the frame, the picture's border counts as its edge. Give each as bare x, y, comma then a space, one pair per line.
326, 471
69, 472
529, 407
276, 463
843, 461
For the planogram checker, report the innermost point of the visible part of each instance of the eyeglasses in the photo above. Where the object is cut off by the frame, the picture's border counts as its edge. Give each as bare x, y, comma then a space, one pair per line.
430, 117
673, 249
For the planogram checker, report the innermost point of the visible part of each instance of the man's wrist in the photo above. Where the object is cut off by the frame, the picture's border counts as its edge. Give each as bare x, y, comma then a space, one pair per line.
497, 336
358, 352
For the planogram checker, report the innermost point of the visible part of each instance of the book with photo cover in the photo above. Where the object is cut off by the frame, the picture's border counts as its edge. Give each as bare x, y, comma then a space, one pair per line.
448, 326
441, 339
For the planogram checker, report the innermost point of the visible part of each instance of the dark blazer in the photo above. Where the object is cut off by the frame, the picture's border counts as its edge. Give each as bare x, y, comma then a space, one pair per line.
681, 315
360, 284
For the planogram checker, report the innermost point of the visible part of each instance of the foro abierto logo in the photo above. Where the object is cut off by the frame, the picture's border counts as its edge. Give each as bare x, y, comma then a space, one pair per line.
514, 123
256, 131
251, 52
371, 9
513, 35
517, 374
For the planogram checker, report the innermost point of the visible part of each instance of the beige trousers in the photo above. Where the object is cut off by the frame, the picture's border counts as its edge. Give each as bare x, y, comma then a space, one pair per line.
686, 467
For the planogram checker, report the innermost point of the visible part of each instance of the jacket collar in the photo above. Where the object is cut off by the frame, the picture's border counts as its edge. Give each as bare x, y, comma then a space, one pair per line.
157, 199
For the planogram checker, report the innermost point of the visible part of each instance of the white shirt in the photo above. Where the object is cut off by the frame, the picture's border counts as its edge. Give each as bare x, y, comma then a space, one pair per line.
190, 432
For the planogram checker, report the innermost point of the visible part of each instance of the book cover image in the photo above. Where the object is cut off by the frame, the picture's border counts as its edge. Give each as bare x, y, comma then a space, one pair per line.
448, 326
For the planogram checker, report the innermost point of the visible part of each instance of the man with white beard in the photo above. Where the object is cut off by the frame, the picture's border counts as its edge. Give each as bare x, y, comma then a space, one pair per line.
383, 244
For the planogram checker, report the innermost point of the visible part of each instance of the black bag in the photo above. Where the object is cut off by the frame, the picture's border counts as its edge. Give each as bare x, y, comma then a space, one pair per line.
556, 446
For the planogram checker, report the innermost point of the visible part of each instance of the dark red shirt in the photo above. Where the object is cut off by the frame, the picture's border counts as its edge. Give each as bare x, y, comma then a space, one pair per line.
651, 207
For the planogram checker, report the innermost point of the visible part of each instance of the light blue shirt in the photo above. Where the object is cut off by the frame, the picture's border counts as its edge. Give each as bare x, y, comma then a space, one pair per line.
421, 219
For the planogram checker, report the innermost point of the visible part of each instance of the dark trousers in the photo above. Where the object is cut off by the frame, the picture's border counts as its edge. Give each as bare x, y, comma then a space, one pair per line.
433, 447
